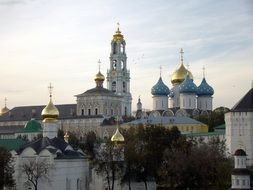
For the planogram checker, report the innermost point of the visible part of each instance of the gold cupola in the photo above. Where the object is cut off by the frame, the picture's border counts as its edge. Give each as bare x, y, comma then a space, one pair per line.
117, 136
4, 109
179, 75
66, 137
99, 78
50, 113
118, 37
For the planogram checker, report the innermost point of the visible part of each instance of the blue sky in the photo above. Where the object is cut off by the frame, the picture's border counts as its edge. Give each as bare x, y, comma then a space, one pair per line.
43, 41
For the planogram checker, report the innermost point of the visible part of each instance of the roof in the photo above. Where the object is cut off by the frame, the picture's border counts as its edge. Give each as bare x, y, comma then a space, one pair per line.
205, 134
246, 103
222, 126
173, 120
55, 144
98, 91
12, 144
187, 86
204, 89
25, 113
32, 126
160, 89
240, 171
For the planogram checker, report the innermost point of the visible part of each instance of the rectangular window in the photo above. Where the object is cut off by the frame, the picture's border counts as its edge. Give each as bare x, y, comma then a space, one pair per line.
89, 112
237, 182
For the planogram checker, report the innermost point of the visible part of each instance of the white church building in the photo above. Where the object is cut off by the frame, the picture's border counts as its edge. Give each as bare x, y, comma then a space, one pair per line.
57, 165
239, 126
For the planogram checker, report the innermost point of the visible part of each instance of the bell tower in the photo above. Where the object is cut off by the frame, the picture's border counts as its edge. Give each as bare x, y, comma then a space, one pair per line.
118, 77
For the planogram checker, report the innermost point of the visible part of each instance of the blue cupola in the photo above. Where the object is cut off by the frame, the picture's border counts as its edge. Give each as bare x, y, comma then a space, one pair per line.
204, 89
187, 86
160, 89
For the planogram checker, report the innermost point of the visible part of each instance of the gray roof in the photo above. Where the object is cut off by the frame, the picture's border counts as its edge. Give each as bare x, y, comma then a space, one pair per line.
98, 91
246, 103
25, 113
165, 120
56, 144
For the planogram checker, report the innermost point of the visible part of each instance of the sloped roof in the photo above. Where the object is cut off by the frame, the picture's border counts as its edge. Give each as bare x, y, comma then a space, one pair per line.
98, 91
12, 144
246, 103
54, 144
25, 113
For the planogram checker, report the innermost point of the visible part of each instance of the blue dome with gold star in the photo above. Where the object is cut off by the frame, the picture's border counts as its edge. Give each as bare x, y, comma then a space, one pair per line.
187, 86
160, 89
204, 89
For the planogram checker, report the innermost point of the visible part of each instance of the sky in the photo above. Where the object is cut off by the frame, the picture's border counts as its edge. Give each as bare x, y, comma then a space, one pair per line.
60, 41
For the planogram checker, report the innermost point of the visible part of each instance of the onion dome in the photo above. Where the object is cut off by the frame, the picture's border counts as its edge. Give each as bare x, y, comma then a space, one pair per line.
118, 37
32, 126
4, 110
117, 137
240, 152
204, 89
180, 74
187, 86
160, 89
99, 79
66, 137
50, 112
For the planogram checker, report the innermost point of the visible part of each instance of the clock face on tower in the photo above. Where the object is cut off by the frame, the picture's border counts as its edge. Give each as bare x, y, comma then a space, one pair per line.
113, 73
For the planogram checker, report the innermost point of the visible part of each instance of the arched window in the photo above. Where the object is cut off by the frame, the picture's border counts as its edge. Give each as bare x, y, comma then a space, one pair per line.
114, 65
114, 86
111, 111
82, 112
89, 112
124, 87
114, 48
125, 110
96, 111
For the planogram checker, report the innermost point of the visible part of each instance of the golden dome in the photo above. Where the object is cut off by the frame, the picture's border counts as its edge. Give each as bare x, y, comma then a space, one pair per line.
117, 137
50, 112
179, 75
99, 77
66, 136
4, 110
118, 36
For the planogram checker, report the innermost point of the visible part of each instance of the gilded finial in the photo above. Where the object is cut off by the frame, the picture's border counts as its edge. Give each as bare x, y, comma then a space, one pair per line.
181, 55
118, 26
5, 102
204, 71
50, 87
99, 62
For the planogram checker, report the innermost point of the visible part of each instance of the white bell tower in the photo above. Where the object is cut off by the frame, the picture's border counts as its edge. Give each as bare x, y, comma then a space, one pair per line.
118, 77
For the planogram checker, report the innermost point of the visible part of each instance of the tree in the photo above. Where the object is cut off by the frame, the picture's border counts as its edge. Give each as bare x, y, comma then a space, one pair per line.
108, 163
6, 169
35, 170
89, 144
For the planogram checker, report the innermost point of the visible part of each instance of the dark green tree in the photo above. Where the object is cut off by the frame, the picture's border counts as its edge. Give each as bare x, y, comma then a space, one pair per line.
6, 169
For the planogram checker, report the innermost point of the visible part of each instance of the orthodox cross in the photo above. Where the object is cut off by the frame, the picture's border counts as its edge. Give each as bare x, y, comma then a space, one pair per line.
181, 56
50, 87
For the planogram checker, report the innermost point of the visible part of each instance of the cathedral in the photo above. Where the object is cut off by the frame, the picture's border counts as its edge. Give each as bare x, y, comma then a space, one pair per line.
94, 105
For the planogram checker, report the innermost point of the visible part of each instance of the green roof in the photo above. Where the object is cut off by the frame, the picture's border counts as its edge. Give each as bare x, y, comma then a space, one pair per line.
32, 126
222, 126
215, 133
11, 144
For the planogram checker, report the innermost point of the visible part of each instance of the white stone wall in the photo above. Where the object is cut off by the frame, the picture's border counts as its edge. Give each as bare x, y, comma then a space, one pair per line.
188, 101
239, 133
205, 103
160, 103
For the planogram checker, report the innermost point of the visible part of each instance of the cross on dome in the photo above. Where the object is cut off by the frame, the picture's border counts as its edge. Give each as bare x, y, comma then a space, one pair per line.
99, 62
204, 71
5, 101
50, 87
181, 55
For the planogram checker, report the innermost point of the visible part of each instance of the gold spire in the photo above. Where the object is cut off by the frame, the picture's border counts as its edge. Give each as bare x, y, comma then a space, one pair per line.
50, 113
179, 75
117, 137
99, 79
118, 36
4, 109
66, 137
